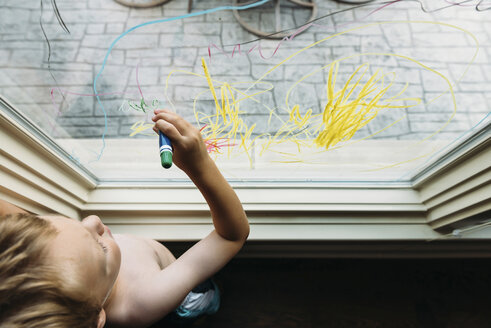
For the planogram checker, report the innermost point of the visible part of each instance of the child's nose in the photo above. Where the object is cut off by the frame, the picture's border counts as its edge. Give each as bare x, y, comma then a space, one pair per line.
94, 224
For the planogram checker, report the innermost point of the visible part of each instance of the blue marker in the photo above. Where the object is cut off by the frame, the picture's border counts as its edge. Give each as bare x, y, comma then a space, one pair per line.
165, 150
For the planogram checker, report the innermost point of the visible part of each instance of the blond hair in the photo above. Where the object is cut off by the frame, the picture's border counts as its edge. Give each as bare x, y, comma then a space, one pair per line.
33, 292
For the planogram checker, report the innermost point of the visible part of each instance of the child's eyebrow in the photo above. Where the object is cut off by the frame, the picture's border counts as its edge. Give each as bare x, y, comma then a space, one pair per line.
54, 216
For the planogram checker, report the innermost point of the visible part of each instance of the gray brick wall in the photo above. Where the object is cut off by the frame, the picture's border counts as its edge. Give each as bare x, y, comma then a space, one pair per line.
160, 48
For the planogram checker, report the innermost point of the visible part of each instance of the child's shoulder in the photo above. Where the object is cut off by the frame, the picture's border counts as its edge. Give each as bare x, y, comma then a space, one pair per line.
139, 251
141, 259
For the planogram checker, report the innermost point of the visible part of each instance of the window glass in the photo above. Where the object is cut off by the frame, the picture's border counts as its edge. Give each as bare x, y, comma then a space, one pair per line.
362, 92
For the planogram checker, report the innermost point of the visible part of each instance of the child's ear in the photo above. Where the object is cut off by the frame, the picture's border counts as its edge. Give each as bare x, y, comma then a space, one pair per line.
102, 319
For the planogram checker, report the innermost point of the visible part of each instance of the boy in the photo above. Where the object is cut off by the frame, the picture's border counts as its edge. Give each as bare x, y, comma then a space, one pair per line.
129, 281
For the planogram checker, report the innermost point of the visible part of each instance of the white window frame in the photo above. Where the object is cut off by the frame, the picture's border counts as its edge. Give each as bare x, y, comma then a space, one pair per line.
36, 174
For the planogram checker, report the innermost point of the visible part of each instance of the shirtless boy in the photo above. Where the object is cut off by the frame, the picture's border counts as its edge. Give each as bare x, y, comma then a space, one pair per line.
124, 281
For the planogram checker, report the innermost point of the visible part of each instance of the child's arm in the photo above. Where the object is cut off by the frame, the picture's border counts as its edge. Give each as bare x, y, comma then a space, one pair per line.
165, 292
7, 208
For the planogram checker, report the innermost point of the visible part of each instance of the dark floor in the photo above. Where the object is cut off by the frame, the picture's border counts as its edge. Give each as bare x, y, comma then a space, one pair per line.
353, 293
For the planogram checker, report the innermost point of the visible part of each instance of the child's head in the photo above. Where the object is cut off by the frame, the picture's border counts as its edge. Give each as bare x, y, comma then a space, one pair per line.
55, 272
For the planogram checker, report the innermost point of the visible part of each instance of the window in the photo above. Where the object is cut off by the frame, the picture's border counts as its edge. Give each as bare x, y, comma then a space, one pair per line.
370, 97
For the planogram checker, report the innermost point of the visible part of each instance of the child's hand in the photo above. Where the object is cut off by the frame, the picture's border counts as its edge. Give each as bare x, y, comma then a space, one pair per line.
189, 152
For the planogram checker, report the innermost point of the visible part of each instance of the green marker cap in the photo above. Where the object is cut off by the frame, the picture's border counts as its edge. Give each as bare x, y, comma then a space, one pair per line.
166, 159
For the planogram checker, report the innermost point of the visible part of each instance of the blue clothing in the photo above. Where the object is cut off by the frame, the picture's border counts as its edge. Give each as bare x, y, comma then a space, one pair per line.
202, 300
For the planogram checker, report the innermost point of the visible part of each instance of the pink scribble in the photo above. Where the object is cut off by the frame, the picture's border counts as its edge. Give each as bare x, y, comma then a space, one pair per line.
382, 7
65, 92
138, 83
215, 145
237, 47
258, 46
57, 109
62, 92
460, 3
357, 20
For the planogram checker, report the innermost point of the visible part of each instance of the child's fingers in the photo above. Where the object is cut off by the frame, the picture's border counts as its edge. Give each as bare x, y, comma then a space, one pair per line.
169, 130
162, 110
183, 126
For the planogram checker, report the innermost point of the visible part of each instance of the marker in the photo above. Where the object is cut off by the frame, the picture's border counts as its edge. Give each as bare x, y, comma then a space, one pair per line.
165, 150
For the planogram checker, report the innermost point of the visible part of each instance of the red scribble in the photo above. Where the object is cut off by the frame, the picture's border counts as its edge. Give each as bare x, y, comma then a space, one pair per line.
215, 145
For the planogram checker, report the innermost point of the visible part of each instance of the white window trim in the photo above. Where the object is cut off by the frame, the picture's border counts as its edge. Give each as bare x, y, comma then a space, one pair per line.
36, 175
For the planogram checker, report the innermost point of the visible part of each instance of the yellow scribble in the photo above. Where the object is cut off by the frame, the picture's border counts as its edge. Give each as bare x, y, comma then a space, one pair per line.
297, 118
226, 123
141, 127
346, 110
342, 116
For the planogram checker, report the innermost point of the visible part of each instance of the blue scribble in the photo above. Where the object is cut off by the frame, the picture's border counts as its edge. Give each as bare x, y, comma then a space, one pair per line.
204, 12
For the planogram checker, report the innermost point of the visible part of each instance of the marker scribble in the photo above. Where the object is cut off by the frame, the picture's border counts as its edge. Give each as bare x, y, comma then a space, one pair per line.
348, 108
